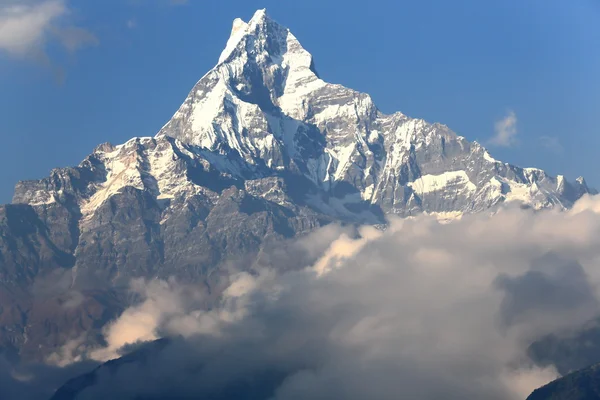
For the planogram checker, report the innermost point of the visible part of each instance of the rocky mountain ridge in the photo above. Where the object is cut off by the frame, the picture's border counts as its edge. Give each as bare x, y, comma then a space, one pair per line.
263, 112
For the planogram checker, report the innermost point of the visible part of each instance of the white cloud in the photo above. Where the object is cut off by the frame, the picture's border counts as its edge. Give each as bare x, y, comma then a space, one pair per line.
421, 310
27, 27
551, 143
505, 131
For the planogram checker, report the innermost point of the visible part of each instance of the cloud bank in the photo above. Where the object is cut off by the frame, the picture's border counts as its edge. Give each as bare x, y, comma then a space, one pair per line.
421, 310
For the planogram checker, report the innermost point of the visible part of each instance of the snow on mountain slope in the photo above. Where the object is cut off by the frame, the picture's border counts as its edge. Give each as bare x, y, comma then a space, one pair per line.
459, 180
265, 103
263, 112
145, 164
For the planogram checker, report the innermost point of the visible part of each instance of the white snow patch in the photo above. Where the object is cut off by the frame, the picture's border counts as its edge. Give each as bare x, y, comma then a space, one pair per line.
373, 136
560, 182
446, 217
433, 183
367, 194
519, 192
489, 158
130, 166
123, 170
238, 31
42, 199
344, 156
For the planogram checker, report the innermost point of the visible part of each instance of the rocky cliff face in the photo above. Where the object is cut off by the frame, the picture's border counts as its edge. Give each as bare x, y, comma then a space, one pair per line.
261, 150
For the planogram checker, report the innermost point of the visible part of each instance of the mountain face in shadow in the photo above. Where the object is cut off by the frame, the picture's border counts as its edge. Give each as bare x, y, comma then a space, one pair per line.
580, 385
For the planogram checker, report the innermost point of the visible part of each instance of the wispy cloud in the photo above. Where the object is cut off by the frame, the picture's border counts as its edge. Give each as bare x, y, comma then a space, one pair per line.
551, 143
27, 27
505, 131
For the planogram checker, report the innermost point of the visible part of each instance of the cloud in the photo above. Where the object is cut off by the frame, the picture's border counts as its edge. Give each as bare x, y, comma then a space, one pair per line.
505, 131
74, 39
132, 23
26, 28
552, 284
418, 310
551, 143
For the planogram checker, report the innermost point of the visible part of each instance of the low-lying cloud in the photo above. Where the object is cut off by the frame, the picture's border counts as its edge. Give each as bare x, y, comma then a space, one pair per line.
421, 310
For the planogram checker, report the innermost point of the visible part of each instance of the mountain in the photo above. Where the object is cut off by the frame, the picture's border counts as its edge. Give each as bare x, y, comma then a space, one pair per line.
263, 109
140, 357
571, 352
105, 381
579, 385
262, 150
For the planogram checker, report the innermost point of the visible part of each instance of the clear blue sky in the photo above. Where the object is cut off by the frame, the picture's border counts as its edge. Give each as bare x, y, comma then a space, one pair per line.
77, 73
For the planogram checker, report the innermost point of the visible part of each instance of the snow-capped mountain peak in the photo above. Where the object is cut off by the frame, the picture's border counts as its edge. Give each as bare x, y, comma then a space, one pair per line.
263, 112
237, 33
260, 37
264, 104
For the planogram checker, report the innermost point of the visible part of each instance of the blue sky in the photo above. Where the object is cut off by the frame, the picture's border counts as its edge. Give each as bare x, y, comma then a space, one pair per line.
519, 76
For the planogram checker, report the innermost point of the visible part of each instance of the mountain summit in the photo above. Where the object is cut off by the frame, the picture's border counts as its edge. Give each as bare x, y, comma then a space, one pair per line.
261, 150
264, 109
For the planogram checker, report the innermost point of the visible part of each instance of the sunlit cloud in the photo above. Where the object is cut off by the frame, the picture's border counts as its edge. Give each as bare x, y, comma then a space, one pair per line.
505, 131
